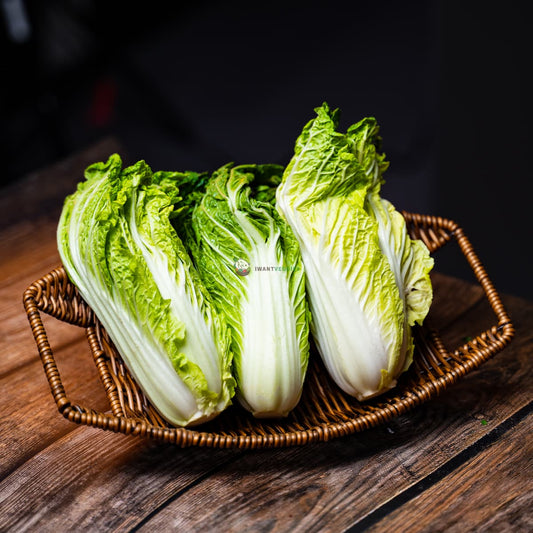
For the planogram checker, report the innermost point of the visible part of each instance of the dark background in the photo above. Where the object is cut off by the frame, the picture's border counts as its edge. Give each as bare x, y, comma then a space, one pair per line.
194, 86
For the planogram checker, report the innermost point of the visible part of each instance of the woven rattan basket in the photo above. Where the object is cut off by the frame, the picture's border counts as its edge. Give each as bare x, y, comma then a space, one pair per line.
324, 411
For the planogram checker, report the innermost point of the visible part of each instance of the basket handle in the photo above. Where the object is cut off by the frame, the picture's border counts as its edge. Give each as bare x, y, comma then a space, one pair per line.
504, 322
45, 351
497, 337
435, 232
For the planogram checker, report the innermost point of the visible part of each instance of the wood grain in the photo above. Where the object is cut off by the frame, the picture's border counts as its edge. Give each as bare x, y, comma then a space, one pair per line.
486, 493
339, 483
29, 419
26, 253
99, 481
343, 481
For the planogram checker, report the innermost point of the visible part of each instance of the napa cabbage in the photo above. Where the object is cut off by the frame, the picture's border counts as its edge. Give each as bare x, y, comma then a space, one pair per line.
367, 281
119, 248
250, 262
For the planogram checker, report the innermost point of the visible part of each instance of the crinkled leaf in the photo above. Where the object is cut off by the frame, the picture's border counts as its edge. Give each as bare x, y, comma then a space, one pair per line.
119, 248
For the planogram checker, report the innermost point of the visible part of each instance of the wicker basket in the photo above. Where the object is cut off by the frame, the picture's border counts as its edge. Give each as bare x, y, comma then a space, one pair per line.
324, 411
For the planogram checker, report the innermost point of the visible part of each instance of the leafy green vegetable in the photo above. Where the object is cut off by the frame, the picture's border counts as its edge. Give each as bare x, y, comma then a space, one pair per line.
367, 281
119, 248
250, 263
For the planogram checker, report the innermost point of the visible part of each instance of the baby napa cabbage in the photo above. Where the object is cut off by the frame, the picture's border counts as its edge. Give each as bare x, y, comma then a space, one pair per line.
367, 281
250, 262
119, 248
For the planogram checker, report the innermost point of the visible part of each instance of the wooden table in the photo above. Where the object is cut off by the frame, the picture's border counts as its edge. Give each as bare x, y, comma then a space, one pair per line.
461, 462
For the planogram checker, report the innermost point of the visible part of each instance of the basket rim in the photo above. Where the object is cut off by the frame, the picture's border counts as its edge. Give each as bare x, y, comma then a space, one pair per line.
37, 299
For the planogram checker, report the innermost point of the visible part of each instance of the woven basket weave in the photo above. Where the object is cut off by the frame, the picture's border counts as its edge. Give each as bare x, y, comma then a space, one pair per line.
324, 411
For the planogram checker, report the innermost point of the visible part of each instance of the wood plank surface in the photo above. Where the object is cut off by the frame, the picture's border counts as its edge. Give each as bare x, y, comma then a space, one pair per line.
29, 419
99, 481
483, 494
339, 483
28, 253
344, 481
